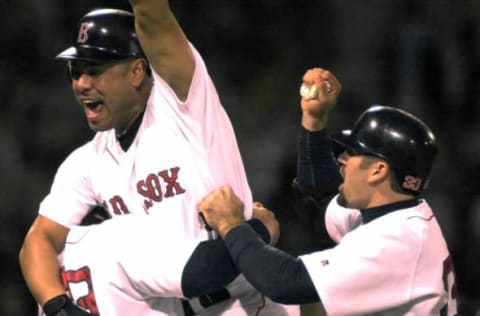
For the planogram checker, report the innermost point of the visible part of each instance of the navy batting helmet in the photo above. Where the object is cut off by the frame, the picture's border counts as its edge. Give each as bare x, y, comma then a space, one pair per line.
405, 142
104, 35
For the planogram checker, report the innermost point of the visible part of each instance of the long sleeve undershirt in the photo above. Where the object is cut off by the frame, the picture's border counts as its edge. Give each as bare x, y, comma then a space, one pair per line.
280, 276
317, 181
214, 264
210, 266
284, 278
317, 169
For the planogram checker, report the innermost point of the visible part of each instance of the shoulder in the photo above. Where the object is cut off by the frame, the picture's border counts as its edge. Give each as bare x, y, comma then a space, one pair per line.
340, 220
88, 150
199, 67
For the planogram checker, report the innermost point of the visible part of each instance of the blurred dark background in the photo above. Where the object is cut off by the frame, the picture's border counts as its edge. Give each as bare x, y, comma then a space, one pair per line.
422, 56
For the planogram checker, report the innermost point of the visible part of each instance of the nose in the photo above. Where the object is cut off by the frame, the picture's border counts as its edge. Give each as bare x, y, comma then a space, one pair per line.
83, 82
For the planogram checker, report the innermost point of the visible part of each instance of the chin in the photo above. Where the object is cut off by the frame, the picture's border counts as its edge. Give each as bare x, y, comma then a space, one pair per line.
341, 200
96, 127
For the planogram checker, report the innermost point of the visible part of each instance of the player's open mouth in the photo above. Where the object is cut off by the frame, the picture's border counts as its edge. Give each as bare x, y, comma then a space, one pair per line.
92, 105
93, 109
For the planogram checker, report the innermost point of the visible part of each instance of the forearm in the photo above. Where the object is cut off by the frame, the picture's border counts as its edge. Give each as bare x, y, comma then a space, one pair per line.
317, 168
210, 267
317, 182
281, 277
150, 15
165, 44
40, 268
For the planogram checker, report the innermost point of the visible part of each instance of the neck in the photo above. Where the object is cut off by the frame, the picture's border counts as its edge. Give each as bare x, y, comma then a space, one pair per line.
388, 197
126, 137
131, 121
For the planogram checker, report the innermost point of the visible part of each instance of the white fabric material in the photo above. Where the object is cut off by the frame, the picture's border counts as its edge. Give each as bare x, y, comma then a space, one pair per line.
394, 265
247, 302
106, 265
340, 220
192, 142
182, 151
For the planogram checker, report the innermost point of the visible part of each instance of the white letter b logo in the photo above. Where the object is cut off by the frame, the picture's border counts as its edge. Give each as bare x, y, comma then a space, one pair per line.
82, 32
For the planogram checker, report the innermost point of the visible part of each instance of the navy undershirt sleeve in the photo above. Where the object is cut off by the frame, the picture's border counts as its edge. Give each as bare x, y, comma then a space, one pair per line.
317, 168
210, 266
280, 276
317, 181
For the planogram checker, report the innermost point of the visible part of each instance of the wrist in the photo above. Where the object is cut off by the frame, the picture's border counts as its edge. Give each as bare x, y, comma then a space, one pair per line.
54, 304
314, 124
260, 228
225, 227
49, 294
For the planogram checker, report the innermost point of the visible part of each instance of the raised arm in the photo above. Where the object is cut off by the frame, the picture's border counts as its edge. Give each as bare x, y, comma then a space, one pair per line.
164, 43
318, 175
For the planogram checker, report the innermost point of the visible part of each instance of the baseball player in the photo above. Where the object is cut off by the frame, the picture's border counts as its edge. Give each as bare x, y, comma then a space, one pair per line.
163, 141
107, 271
396, 262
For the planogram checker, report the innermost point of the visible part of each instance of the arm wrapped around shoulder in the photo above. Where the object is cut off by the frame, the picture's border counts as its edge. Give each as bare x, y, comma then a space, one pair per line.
210, 266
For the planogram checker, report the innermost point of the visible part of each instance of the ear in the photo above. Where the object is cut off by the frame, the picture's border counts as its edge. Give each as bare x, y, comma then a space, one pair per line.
138, 72
379, 171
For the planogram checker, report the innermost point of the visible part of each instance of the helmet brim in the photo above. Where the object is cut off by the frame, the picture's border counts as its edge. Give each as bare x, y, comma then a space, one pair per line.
345, 140
93, 54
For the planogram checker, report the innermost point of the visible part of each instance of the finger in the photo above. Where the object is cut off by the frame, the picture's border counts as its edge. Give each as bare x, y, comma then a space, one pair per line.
311, 74
257, 204
316, 80
326, 86
203, 222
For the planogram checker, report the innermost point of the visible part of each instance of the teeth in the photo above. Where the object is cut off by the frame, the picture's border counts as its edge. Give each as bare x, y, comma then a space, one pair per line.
92, 105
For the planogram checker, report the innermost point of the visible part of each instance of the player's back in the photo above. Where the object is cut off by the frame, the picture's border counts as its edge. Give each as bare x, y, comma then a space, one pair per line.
126, 266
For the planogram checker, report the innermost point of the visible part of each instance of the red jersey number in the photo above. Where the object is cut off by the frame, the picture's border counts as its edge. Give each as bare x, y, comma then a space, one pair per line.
450, 287
81, 275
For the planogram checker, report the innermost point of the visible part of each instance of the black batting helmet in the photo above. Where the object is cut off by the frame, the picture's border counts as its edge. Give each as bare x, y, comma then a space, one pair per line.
104, 35
405, 142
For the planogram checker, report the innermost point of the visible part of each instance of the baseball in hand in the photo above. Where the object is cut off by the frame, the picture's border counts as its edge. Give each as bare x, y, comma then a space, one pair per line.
308, 92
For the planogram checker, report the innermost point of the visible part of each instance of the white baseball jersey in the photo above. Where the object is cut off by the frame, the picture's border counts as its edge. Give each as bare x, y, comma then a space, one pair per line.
397, 264
133, 264
128, 265
340, 220
181, 152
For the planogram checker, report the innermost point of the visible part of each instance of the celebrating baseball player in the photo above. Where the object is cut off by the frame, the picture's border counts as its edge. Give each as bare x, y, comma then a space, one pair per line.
395, 260
162, 142
108, 271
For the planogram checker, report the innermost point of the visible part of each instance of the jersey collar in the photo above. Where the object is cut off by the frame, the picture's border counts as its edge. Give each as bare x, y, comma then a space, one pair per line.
369, 214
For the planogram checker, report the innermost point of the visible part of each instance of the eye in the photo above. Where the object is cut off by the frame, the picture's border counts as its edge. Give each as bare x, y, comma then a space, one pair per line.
75, 70
73, 73
352, 152
95, 70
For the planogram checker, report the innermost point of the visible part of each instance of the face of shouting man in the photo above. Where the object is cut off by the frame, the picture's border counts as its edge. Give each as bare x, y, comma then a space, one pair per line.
107, 92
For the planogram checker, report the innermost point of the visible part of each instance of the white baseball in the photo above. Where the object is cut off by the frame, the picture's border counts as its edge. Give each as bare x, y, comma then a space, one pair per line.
308, 92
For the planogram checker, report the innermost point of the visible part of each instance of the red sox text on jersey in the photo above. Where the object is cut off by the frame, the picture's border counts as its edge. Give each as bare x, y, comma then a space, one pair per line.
154, 188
